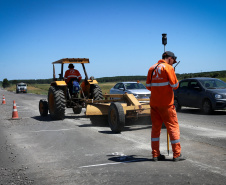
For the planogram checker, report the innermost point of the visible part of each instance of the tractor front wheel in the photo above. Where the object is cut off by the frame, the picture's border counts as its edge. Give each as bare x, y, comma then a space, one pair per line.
57, 103
77, 109
43, 107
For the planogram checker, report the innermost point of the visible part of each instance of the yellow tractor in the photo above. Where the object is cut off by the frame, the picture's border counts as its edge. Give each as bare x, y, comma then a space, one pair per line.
61, 96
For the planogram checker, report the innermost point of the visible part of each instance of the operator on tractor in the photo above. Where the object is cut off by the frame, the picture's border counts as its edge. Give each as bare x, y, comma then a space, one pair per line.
161, 80
72, 77
72, 73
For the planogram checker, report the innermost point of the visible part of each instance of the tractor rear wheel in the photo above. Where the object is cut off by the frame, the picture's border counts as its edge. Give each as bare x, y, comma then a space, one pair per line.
57, 103
116, 117
43, 107
96, 92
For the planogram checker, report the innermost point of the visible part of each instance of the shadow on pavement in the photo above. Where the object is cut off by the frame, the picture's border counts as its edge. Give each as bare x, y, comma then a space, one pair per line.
132, 159
126, 129
42, 118
129, 128
74, 116
48, 118
128, 158
108, 132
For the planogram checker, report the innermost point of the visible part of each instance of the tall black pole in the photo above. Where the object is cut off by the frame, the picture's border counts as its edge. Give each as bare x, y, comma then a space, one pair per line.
164, 42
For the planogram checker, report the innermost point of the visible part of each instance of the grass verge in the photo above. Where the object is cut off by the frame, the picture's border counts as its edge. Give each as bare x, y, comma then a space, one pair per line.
34, 88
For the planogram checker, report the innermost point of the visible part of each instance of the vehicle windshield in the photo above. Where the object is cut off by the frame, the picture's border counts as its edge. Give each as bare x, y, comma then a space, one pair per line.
134, 86
21, 85
213, 84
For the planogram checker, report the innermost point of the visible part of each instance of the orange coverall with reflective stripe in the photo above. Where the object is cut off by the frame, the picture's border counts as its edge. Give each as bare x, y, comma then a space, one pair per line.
163, 82
72, 73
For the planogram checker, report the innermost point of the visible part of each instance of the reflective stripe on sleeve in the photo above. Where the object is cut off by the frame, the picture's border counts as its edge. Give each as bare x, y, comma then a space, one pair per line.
148, 85
175, 141
174, 85
155, 139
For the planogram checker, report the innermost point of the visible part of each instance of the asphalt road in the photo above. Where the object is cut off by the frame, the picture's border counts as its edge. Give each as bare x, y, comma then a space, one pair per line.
38, 150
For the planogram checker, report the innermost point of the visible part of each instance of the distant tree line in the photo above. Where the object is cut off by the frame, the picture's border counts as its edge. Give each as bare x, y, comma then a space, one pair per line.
6, 83
212, 74
121, 78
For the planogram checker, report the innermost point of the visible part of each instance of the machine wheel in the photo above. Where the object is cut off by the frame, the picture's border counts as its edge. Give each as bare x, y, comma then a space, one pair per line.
77, 110
43, 107
57, 103
116, 117
96, 92
177, 105
207, 107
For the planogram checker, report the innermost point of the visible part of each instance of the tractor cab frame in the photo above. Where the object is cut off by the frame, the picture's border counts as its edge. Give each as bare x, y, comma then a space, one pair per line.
59, 96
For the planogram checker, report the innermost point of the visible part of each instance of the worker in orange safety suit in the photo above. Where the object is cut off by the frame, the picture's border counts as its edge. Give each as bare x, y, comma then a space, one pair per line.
161, 80
72, 77
72, 73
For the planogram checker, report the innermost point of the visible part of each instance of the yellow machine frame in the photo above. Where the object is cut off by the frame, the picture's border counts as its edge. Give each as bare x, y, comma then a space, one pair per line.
132, 107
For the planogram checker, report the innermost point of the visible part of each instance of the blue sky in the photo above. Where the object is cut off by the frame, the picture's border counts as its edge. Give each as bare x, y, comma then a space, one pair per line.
120, 37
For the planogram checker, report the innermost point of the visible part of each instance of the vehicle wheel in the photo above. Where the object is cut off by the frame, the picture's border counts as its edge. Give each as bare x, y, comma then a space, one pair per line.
207, 107
43, 107
96, 92
177, 105
77, 110
57, 103
116, 117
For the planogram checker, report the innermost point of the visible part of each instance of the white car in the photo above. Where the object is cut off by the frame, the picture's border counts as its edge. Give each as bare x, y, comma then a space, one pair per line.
135, 88
21, 87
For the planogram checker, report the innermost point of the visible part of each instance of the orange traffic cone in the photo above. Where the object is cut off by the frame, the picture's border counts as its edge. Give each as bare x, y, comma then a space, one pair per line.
15, 113
3, 99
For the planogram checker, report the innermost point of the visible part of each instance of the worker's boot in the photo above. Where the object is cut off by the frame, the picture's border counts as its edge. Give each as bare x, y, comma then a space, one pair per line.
159, 158
180, 158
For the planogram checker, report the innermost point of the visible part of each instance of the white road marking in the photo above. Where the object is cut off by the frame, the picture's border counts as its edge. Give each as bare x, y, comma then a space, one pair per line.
105, 164
54, 130
121, 156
